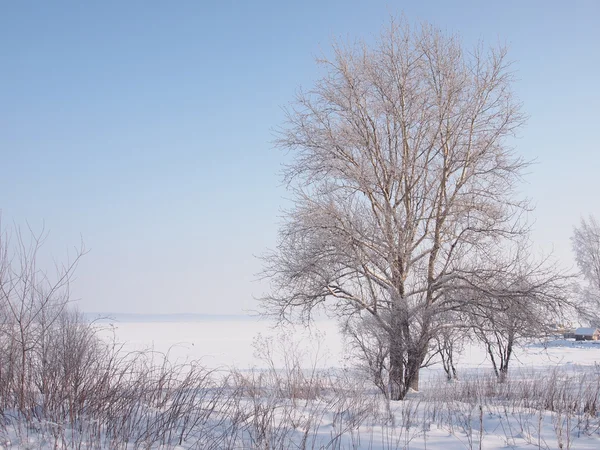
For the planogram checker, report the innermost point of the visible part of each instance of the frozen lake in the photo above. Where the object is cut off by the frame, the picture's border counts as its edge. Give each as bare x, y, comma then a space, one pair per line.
225, 341
221, 341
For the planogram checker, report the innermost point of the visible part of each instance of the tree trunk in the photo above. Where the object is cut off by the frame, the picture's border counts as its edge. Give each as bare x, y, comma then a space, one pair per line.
503, 373
396, 377
506, 359
413, 367
414, 382
22, 381
398, 355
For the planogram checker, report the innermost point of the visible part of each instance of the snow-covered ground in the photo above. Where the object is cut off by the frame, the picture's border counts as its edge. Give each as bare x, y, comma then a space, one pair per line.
548, 403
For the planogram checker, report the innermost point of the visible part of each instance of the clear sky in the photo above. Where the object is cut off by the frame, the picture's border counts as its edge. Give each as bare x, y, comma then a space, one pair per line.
144, 127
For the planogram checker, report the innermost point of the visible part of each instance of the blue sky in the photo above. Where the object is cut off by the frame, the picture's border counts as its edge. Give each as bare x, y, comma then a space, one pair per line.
145, 128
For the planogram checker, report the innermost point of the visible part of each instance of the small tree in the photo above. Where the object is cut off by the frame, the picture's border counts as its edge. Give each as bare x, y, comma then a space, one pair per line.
449, 341
586, 246
368, 342
402, 180
521, 300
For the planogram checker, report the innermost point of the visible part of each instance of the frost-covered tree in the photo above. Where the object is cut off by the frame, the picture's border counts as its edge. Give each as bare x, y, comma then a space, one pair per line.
586, 246
403, 185
520, 300
449, 341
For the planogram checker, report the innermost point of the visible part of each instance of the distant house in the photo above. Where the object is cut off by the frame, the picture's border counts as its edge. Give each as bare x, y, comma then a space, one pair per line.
587, 334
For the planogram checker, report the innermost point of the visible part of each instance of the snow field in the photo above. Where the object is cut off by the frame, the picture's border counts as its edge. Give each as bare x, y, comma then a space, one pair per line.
260, 387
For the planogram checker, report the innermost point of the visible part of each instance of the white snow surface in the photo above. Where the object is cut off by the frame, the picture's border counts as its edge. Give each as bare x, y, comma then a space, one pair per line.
224, 343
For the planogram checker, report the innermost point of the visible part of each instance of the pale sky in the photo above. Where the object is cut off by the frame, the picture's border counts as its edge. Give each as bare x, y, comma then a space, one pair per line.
144, 128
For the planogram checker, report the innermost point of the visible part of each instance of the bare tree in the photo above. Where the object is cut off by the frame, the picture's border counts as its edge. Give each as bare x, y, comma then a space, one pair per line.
518, 300
586, 246
449, 341
31, 300
403, 184
369, 343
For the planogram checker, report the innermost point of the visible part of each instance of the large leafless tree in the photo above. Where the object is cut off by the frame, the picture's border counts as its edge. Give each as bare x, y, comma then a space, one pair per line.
403, 183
